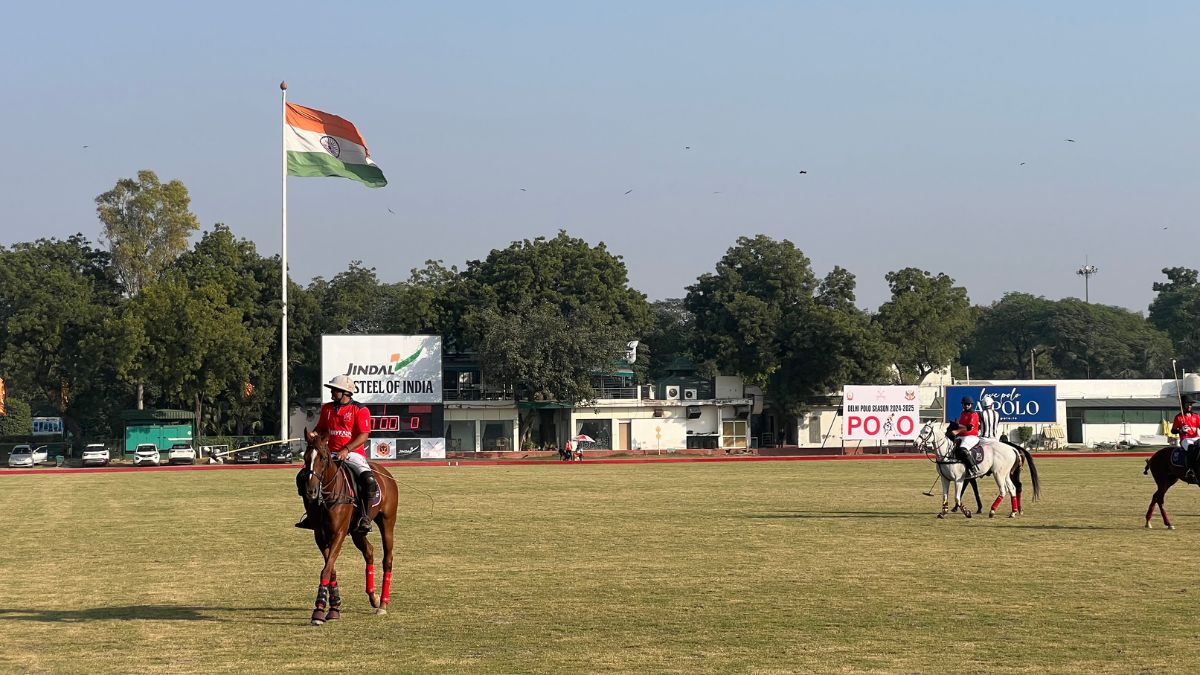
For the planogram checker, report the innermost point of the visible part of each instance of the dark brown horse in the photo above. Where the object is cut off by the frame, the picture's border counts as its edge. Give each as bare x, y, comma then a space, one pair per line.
332, 507
1166, 474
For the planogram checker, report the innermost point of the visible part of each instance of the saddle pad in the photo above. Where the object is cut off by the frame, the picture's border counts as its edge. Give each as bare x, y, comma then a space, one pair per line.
976, 454
1178, 457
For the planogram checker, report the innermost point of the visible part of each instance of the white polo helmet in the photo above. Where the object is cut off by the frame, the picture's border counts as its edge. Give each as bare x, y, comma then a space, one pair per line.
987, 402
342, 382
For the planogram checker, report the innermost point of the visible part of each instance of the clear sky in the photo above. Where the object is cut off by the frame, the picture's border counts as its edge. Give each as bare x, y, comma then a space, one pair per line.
500, 121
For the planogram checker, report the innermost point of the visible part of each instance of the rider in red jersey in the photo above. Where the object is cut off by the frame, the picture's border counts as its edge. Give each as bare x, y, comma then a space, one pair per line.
967, 435
1187, 427
349, 426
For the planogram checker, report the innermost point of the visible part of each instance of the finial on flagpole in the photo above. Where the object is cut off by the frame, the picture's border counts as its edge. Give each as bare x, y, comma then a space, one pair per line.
283, 85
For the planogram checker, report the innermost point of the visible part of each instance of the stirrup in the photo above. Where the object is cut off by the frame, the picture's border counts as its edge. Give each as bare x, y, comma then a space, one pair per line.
304, 524
364, 524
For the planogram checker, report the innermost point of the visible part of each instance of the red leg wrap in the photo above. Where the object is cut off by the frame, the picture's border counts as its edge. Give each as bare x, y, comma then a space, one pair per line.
387, 587
996, 503
370, 578
1015, 505
1018, 502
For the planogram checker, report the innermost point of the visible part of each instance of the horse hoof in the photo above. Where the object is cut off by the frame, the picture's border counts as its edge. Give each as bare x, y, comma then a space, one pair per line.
992, 514
318, 617
333, 615
966, 513
1014, 514
1170, 527
380, 611
941, 516
317, 622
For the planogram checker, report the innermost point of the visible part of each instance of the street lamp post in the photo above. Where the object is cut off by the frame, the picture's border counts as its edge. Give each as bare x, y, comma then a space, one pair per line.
1086, 272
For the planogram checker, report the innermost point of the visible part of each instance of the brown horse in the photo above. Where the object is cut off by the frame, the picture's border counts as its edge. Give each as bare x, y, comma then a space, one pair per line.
332, 507
1165, 473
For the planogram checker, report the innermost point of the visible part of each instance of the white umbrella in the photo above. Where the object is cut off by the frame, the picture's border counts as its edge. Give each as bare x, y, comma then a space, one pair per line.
584, 438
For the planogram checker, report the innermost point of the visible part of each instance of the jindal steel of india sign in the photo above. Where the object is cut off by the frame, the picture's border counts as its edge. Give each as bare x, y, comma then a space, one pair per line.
385, 368
880, 413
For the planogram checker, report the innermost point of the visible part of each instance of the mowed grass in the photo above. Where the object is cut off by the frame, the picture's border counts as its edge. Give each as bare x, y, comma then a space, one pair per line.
796, 566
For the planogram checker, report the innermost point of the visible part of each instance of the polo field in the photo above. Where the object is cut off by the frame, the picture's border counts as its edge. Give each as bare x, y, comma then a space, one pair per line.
765, 566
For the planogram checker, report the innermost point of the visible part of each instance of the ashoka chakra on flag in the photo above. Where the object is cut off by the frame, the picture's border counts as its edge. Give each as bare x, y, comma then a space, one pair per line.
321, 144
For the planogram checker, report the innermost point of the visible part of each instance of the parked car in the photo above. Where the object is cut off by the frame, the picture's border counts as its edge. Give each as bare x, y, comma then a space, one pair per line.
95, 453
181, 453
146, 454
27, 456
247, 455
281, 453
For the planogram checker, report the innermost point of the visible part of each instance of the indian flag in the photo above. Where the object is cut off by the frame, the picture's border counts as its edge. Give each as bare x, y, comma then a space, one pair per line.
320, 144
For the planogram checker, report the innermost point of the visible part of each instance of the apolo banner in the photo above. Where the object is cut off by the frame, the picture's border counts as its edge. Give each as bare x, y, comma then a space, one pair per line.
1020, 403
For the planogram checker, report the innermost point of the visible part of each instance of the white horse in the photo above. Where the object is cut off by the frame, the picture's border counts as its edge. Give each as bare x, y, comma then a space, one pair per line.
1002, 460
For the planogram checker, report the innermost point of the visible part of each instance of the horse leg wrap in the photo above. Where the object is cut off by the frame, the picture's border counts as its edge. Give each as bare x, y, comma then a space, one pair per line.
370, 578
1018, 503
997, 502
335, 595
323, 595
387, 588
1015, 506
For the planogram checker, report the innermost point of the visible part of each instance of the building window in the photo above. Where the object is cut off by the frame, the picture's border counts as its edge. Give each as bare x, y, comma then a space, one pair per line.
733, 434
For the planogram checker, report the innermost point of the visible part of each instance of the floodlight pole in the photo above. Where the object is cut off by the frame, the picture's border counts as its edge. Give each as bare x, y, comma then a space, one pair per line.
1086, 272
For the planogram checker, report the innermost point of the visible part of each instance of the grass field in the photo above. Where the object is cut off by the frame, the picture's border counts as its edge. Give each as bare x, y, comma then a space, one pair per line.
718, 567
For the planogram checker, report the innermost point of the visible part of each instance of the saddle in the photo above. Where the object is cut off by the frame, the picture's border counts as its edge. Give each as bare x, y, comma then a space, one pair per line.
1179, 457
976, 454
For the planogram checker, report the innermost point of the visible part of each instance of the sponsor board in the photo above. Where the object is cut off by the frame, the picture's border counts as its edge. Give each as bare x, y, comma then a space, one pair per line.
880, 413
433, 448
383, 448
47, 426
385, 368
1021, 403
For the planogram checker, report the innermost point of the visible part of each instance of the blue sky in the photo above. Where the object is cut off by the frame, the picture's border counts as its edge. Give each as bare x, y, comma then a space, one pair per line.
911, 119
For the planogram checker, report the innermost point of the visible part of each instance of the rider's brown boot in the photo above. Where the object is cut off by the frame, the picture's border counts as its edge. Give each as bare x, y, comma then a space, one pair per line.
304, 524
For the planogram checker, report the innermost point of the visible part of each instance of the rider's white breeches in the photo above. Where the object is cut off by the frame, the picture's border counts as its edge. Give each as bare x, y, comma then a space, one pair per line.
968, 442
357, 463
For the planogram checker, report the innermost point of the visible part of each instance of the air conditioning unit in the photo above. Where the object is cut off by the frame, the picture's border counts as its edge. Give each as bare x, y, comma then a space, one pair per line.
672, 392
690, 394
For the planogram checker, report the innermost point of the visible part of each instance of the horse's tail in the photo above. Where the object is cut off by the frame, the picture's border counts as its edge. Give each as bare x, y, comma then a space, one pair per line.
1037, 486
1147, 469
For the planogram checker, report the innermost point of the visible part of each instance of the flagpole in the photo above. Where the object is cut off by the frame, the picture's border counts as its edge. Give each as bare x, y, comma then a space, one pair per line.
283, 331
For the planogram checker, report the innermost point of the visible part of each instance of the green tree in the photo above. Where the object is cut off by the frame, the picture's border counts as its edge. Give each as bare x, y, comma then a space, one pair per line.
1088, 340
671, 335
564, 272
530, 351
146, 225
927, 321
740, 308
56, 297
17, 420
1176, 310
1010, 337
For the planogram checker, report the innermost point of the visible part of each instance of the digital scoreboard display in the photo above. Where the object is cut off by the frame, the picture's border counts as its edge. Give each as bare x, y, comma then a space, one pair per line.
414, 419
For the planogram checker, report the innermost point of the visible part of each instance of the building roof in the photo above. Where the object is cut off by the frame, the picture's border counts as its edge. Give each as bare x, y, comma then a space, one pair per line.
1155, 402
156, 415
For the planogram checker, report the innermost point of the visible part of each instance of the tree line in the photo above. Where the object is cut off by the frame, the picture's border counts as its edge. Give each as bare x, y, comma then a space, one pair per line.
143, 318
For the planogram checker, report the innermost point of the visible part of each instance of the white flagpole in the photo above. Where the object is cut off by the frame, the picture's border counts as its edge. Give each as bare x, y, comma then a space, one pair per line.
283, 342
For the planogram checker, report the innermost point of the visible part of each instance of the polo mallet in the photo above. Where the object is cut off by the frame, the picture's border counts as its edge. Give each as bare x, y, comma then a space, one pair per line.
929, 492
1178, 385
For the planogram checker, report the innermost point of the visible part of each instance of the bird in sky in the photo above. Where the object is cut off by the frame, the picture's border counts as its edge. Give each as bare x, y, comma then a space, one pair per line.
687, 147
524, 190
1070, 140
1021, 164
391, 211
85, 147
803, 172
629, 190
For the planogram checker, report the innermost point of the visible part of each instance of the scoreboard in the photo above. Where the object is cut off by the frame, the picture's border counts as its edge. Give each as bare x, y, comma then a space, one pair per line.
405, 420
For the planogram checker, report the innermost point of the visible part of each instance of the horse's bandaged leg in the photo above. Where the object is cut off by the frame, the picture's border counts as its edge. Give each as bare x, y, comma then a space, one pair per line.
370, 579
387, 588
996, 503
1015, 506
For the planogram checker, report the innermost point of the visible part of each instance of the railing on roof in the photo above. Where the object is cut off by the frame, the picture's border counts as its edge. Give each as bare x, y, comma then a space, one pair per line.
477, 392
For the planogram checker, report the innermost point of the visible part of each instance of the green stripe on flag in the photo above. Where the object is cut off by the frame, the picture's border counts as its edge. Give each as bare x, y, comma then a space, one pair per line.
311, 164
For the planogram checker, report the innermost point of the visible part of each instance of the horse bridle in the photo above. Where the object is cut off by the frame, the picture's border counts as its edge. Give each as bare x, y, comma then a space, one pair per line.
326, 457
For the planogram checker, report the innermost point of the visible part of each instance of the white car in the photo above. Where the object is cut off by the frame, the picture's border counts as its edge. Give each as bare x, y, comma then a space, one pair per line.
26, 456
146, 454
95, 453
181, 453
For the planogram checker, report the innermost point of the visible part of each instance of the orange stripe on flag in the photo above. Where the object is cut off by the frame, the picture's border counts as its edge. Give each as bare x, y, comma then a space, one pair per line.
322, 122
